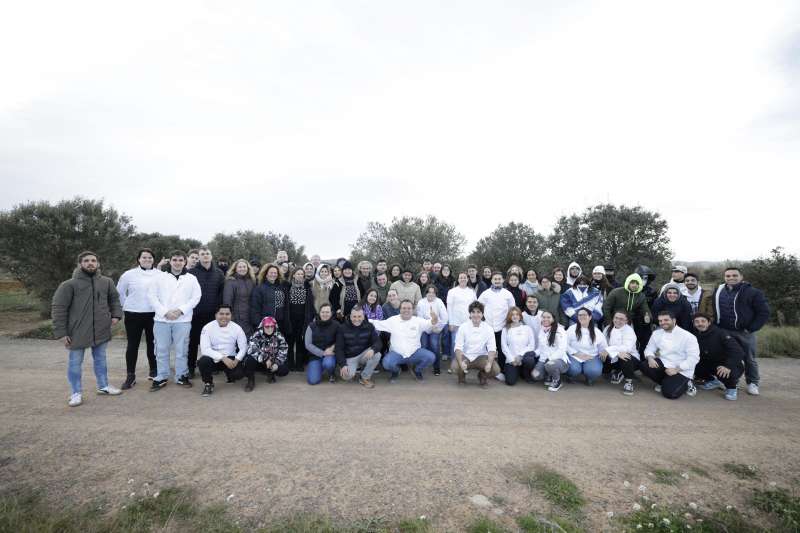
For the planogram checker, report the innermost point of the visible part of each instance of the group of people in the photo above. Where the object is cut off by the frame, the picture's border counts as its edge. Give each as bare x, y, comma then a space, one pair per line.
317, 318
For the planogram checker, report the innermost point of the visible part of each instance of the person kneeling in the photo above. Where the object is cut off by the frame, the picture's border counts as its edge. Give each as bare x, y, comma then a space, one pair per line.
518, 342
219, 340
357, 344
552, 351
672, 354
476, 348
622, 354
586, 347
721, 357
267, 351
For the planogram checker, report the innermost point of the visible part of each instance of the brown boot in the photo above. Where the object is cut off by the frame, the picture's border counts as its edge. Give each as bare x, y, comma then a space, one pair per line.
367, 383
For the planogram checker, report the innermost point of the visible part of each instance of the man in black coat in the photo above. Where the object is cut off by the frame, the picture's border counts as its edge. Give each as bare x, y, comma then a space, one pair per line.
212, 282
721, 357
741, 309
357, 344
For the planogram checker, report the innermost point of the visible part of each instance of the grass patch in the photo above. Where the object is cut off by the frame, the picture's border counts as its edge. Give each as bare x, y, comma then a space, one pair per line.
557, 489
416, 525
553, 524
778, 341
666, 477
18, 300
673, 520
26, 512
44, 331
741, 471
702, 472
486, 525
780, 504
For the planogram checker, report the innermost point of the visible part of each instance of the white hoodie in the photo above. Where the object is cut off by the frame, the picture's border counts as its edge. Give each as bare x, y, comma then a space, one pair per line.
166, 292
621, 340
570, 279
676, 349
424, 311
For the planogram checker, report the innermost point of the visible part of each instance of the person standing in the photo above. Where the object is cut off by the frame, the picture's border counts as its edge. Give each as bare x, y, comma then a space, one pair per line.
192, 258
301, 313
239, 284
173, 295
742, 310
392, 306
364, 277
322, 287
693, 291
406, 288
512, 285
582, 296
395, 273
350, 294
549, 296
269, 298
212, 283
678, 276
458, 300
223, 345
84, 308
381, 286
671, 355
531, 285
672, 299
132, 289
497, 302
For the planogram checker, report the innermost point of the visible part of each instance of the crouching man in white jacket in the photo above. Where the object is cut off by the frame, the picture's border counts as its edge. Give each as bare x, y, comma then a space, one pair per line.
672, 354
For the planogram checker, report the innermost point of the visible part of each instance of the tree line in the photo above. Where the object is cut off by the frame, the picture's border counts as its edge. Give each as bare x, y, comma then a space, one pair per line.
39, 242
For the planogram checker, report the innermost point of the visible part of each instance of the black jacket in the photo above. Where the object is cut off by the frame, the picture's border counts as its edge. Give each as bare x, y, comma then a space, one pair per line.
750, 305
269, 299
681, 308
308, 313
719, 347
212, 283
323, 334
352, 341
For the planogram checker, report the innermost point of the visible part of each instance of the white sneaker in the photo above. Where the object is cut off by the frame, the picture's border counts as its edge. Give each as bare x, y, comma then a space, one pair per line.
109, 390
752, 389
691, 390
500, 377
75, 399
657, 388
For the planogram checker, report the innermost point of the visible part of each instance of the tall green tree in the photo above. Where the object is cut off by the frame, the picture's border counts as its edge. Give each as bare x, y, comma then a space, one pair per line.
779, 277
250, 245
623, 236
408, 241
39, 241
162, 245
513, 243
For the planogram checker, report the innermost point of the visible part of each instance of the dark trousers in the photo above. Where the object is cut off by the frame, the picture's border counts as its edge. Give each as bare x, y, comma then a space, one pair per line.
297, 356
207, 366
135, 324
628, 367
501, 357
251, 366
198, 321
706, 369
672, 387
512, 373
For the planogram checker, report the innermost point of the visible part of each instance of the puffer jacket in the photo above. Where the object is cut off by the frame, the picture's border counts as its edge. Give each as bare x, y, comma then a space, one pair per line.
83, 307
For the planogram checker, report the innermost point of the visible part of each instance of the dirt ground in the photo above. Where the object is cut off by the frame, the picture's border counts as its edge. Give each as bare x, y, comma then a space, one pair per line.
397, 451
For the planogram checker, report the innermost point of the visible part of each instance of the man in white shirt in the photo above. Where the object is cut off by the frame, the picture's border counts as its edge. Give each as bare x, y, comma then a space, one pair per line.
475, 348
173, 295
671, 354
223, 346
497, 301
406, 349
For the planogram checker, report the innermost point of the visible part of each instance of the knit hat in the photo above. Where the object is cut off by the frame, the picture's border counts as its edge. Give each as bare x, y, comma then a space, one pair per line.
346, 265
268, 321
680, 268
600, 269
675, 286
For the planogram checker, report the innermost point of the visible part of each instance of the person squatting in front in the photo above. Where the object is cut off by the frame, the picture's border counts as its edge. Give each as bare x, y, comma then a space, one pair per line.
223, 346
267, 351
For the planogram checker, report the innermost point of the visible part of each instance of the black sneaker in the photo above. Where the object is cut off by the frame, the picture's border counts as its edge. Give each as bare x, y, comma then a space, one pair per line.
152, 374
332, 378
418, 375
393, 377
271, 377
616, 377
208, 389
250, 385
555, 385
627, 388
437, 372
183, 381
130, 381
158, 384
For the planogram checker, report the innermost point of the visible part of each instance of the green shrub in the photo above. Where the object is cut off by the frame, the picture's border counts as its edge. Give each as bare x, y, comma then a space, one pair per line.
778, 341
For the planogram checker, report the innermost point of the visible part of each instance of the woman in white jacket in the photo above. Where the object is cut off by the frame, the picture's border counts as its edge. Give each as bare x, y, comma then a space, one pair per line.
552, 358
586, 347
519, 345
622, 353
430, 341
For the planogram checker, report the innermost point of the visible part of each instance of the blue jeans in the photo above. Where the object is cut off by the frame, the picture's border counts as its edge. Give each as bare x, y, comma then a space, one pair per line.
448, 341
591, 368
316, 366
166, 335
430, 341
76, 362
421, 359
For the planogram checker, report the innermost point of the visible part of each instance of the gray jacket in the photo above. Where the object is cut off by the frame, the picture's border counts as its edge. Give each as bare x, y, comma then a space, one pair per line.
83, 308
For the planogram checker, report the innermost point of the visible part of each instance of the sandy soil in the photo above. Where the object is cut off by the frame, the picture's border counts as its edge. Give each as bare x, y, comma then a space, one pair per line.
396, 451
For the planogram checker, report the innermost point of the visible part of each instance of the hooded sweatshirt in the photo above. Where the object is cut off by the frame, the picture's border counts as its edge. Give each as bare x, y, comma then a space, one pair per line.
633, 303
574, 299
680, 307
571, 279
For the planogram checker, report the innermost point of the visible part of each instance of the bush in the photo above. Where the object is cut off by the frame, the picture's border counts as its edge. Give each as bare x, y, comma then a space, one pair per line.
774, 341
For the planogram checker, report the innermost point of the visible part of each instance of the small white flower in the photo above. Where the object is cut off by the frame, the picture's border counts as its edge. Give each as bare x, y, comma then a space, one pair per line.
688, 516
685, 475
156, 494
133, 494
650, 474
229, 498
699, 520
772, 484
642, 488
610, 514
637, 507
130, 481
666, 521
645, 498
653, 506
638, 526
688, 526
124, 506
728, 507
626, 484
423, 517
692, 506
650, 525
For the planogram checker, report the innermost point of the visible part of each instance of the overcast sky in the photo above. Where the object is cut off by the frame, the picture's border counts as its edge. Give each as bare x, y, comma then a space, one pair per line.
312, 118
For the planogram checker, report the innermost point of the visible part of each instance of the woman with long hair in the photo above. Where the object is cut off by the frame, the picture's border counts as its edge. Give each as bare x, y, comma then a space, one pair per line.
531, 284
623, 356
519, 347
322, 286
350, 294
424, 281
395, 273
560, 280
239, 284
552, 353
371, 304
512, 284
336, 290
320, 341
582, 295
269, 298
301, 313
364, 276
586, 347
430, 341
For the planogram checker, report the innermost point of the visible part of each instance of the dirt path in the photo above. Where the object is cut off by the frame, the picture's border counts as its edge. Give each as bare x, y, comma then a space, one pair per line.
396, 451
